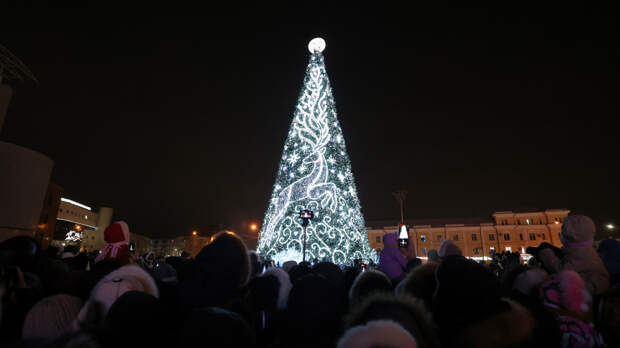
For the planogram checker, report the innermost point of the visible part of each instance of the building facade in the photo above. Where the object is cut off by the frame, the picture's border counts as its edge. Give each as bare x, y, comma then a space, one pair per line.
90, 223
507, 231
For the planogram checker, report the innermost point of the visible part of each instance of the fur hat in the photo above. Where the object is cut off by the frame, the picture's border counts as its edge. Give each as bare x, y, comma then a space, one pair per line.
578, 229
285, 285
527, 282
447, 248
377, 333
367, 283
51, 317
565, 292
127, 278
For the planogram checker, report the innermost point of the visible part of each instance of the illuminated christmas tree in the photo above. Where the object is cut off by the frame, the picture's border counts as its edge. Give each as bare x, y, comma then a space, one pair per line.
315, 174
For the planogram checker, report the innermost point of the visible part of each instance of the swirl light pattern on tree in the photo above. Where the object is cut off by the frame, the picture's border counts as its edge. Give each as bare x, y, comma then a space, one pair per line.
315, 173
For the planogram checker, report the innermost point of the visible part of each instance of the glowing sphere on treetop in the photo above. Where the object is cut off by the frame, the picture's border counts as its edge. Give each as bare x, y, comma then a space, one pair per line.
316, 44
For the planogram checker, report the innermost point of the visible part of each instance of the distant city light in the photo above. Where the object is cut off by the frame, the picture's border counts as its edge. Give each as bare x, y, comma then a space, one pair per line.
75, 203
194, 232
611, 226
253, 227
556, 222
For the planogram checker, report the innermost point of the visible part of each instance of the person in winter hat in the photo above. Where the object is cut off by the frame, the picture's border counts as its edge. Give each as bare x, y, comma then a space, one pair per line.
448, 248
405, 310
566, 297
51, 317
469, 310
216, 327
609, 251
377, 333
127, 278
217, 274
420, 283
577, 237
366, 284
138, 320
117, 248
392, 262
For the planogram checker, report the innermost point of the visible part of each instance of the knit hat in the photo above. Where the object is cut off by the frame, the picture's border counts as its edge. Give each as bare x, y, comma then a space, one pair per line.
51, 317
565, 292
127, 278
527, 282
377, 333
447, 248
117, 237
578, 229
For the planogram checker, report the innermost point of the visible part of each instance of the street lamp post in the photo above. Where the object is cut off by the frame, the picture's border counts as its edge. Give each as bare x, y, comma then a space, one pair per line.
306, 216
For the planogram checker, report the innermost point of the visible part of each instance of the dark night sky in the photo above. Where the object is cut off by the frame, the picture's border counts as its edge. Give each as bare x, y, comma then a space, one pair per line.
179, 122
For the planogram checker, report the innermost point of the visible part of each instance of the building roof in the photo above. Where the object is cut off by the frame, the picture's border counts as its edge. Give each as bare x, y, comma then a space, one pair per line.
467, 221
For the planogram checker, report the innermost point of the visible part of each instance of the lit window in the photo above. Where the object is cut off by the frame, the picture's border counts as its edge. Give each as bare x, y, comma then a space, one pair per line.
528, 221
423, 238
508, 248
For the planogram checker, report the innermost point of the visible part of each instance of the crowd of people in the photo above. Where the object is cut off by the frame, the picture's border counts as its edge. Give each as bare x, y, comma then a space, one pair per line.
227, 296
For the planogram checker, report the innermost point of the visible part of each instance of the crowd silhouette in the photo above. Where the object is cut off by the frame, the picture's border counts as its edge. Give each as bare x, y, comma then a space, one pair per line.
228, 296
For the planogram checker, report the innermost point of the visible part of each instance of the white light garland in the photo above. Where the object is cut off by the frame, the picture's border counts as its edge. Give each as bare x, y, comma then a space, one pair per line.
315, 149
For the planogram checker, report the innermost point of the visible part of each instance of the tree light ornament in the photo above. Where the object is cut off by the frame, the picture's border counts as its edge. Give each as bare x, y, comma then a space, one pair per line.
315, 142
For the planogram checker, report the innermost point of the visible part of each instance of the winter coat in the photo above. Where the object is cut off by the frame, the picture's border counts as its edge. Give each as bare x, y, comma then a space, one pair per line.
117, 247
391, 261
578, 254
581, 259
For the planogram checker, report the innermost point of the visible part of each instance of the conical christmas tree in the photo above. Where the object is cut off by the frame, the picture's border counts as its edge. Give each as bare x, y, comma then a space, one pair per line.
315, 174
